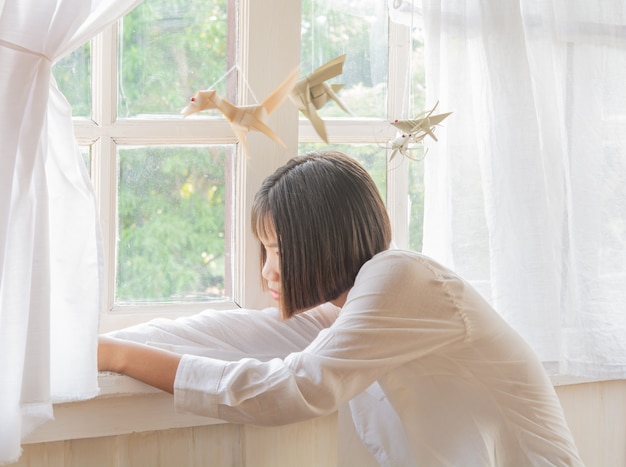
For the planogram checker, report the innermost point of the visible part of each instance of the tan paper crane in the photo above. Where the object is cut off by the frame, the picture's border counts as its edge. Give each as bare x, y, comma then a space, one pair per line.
244, 118
312, 92
414, 131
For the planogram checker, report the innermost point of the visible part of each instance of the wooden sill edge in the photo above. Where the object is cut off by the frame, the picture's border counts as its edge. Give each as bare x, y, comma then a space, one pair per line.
125, 405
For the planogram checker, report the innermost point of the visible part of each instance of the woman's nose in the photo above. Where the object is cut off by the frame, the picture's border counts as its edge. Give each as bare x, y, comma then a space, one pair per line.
269, 271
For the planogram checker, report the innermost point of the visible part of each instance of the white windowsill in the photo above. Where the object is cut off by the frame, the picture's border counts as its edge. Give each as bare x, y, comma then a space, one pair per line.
125, 405
567, 380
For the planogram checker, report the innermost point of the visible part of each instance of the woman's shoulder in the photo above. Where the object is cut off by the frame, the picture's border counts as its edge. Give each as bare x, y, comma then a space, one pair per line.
397, 261
400, 271
407, 274
396, 255
406, 284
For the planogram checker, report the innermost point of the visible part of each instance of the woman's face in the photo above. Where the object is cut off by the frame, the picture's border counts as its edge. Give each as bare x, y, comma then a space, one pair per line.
271, 267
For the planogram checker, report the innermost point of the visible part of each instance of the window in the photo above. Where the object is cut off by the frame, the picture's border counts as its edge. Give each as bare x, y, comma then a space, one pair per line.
174, 193
383, 80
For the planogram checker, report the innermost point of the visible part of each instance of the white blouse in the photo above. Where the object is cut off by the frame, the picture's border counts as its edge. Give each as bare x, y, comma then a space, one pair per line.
432, 374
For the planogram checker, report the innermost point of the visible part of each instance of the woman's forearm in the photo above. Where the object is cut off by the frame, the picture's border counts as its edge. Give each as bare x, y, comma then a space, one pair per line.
150, 365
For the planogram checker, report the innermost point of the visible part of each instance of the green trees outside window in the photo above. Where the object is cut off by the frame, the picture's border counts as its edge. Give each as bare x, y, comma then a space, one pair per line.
173, 202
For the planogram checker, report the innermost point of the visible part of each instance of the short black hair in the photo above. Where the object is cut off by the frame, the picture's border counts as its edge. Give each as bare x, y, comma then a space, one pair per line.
329, 219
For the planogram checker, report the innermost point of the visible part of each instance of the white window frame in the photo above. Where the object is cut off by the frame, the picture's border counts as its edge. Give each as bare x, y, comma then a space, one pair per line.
261, 69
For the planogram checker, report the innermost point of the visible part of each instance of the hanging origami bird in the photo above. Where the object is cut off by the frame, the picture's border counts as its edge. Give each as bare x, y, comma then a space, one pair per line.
414, 131
246, 117
312, 92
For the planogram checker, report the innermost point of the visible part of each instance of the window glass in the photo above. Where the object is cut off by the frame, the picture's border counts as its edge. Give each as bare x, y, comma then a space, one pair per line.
408, 75
173, 204
85, 152
73, 76
173, 221
172, 48
417, 91
416, 204
358, 28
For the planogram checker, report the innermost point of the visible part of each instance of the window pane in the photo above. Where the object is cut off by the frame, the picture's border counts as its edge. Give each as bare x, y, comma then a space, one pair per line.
358, 28
408, 76
73, 76
173, 212
172, 48
369, 155
416, 204
85, 152
417, 91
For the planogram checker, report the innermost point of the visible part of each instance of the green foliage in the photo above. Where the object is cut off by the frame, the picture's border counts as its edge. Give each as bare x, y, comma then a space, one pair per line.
171, 212
172, 200
416, 204
359, 29
72, 76
170, 49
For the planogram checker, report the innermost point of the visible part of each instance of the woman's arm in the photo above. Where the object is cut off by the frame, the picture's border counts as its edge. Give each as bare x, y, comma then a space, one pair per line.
233, 334
150, 365
151, 352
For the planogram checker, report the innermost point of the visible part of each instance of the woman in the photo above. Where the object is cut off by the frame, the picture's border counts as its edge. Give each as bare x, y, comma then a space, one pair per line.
432, 373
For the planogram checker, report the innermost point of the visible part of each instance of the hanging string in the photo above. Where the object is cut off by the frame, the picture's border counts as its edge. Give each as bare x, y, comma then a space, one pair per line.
248, 87
223, 76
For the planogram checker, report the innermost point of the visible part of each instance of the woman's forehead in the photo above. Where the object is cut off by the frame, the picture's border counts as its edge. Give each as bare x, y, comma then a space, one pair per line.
269, 240
266, 232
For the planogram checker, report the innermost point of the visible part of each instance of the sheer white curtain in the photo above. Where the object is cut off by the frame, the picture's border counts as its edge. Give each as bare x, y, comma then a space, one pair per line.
49, 241
526, 191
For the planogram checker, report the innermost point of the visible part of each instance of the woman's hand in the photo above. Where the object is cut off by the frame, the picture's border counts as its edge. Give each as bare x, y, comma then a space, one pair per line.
150, 365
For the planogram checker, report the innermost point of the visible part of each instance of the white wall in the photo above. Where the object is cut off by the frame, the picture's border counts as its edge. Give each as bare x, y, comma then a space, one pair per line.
596, 413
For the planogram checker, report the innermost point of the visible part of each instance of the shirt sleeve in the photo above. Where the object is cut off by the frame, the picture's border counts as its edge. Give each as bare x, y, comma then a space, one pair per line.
233, 334
400, 308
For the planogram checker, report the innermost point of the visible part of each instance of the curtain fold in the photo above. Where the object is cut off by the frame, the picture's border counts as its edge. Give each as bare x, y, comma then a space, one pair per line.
50, 254
529, 181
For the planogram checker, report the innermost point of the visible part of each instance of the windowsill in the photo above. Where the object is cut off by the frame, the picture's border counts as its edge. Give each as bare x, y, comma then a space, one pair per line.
125, 405
568, 380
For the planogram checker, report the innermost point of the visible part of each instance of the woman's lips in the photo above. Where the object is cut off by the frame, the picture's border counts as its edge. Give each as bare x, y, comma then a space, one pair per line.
275, 295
